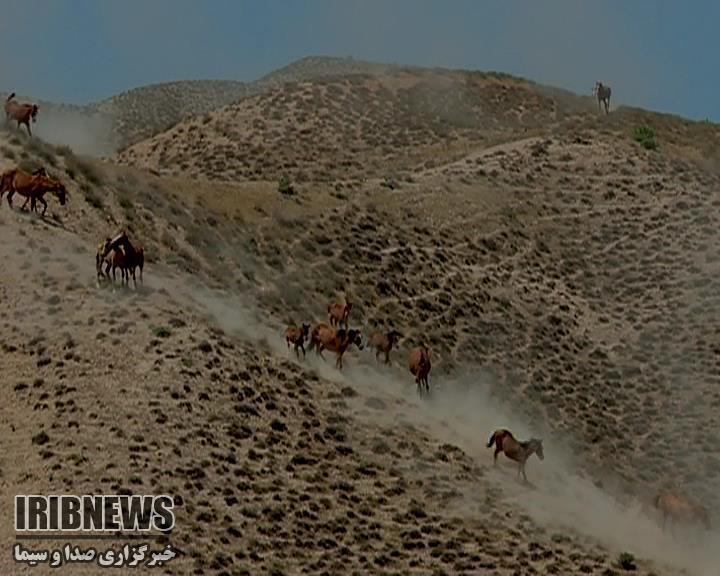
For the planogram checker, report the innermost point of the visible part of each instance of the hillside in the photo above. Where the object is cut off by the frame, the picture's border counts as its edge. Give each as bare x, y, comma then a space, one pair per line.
561, 273
352, 127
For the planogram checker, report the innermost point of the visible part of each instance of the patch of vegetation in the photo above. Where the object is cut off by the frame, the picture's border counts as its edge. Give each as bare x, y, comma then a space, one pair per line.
161, 331
626, 561
40, 148
75, 166
91, 196
40, 438
645, 136
285, 186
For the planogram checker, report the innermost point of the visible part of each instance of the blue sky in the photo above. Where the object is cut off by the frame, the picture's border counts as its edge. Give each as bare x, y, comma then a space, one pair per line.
657, 54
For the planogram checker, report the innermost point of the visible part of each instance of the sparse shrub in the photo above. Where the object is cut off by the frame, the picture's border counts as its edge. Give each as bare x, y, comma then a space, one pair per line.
75, 166
28, 165
626, 561
161, 331
40, 438
285, 186
9, 153
645, 136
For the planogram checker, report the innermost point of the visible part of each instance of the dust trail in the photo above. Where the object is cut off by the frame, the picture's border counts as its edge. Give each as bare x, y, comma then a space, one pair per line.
84, 133
463, 411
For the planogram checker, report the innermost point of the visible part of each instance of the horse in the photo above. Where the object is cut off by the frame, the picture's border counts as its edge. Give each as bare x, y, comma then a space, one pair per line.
420, 366
130, 257
680, 510
338, 341
339, 313
101, 256
297, 336
603, 96
21, 113
32, 186
383, 343
516, 450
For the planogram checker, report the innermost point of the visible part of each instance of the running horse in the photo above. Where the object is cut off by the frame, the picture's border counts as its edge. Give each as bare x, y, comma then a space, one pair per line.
519, 451
326, 337
680, 510
21, 113
32, 186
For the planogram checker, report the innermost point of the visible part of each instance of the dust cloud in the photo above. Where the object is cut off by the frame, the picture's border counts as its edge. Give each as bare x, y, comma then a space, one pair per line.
86, 134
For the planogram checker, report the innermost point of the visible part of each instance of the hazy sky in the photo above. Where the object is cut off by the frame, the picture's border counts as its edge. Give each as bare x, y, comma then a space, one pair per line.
657, 54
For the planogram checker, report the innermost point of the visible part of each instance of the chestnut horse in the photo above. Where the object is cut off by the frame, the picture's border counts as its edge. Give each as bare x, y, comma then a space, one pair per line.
21, 113
420, 366
383, 343
516, 450
680, 510
297, 336
339, 313
32, 186
325, 337
103, 256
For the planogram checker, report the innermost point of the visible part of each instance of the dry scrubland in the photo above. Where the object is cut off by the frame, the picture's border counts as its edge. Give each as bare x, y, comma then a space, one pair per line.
547, 258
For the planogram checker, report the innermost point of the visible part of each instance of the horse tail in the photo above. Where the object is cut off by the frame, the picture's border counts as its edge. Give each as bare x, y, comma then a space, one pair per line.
10, 97
492, 439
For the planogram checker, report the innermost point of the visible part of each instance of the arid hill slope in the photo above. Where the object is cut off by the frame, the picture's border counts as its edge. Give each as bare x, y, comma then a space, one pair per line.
357, 126
555, 266
277, 466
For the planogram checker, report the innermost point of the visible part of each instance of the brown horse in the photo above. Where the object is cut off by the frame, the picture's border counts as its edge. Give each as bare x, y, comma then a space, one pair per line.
127, 257
420, 366
339, 313
297, 336
515, 450
325, 337
383, 343
680, 510
21, 113
32, 186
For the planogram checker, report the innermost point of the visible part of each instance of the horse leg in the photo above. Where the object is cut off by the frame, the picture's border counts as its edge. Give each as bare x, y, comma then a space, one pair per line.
10, 195
498, 449
32, 206
27, 124
44, 203
387, 357
302, 347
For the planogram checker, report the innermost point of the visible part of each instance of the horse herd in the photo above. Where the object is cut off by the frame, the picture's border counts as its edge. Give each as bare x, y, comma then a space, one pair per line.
119, 252
337, 337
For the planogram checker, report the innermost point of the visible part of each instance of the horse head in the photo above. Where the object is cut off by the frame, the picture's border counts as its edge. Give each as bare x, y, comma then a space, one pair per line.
60, 192
539, 448
305, 330
355, 337
394, 336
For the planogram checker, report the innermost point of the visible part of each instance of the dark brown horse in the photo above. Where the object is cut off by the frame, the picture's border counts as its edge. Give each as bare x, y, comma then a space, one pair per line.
32, 186
420, 366
127, 257
681, 510
297, 337
383, 343
515, 450
325, 337
21, 113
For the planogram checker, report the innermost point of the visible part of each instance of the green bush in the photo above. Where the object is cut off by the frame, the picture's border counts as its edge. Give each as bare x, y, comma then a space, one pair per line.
626, 561
645, 136
285, 186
